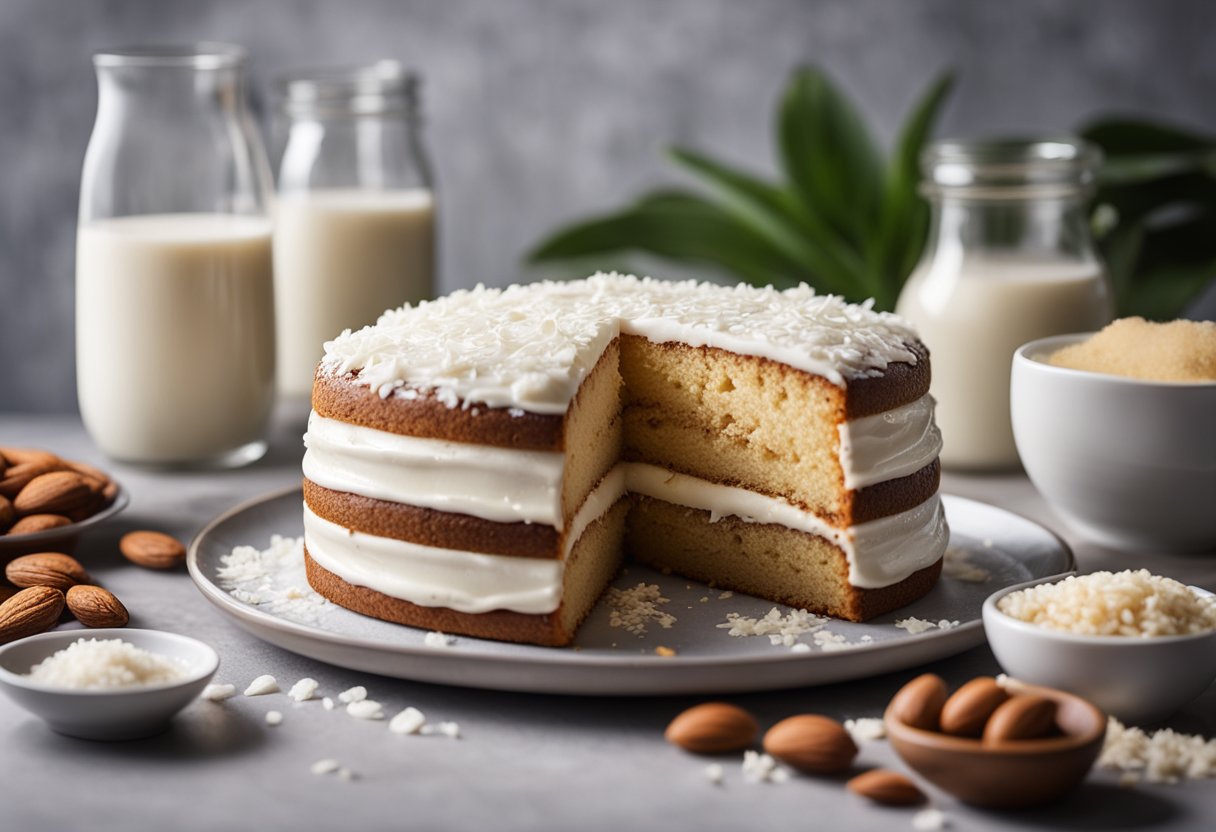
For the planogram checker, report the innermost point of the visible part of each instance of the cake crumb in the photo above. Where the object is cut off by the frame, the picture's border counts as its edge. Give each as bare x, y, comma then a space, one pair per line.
217, 693
714, 773
274, 718
866, 729
262, 685
635, 608
666, 652
304, 689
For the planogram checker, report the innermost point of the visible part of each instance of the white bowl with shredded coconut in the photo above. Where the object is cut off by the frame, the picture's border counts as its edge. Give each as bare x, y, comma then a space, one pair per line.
106, 684
1138, 646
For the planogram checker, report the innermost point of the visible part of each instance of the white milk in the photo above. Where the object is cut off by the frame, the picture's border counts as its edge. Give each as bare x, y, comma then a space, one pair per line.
342, 257
973, 315
175, 335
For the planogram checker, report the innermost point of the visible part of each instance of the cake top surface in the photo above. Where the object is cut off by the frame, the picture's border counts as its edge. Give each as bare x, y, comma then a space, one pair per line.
530, 346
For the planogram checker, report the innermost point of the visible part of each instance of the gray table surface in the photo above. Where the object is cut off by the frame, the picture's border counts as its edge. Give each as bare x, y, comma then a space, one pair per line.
524, 761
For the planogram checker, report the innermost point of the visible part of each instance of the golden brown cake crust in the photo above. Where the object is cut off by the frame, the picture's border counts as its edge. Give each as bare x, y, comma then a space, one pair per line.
429, 527
499, 625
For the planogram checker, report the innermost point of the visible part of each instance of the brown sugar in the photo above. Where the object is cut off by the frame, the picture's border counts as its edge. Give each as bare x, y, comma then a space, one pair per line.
1178, 351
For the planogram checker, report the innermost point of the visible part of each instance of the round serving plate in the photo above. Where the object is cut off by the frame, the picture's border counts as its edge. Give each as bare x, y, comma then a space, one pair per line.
990, 548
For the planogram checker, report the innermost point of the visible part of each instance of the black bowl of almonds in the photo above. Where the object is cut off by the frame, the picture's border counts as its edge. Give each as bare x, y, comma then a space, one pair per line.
46, 501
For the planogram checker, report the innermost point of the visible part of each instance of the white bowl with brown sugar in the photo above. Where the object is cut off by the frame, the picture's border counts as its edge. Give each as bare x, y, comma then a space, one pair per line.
1124, 451
1137, 645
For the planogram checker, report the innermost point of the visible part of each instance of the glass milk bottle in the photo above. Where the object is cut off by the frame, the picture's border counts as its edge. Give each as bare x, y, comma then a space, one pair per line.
1009, 259
355, 227
174, 279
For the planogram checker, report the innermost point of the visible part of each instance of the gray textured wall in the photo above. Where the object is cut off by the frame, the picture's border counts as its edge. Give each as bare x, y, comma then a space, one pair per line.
543, 111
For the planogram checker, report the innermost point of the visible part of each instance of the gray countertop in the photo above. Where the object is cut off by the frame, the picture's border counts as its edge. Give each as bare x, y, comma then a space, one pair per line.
523, 762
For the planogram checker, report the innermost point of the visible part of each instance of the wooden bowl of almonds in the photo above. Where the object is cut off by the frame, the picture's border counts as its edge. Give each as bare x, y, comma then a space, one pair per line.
999, 744
47, 501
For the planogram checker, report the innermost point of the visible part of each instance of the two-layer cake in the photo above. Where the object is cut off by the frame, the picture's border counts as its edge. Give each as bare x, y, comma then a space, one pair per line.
481, 463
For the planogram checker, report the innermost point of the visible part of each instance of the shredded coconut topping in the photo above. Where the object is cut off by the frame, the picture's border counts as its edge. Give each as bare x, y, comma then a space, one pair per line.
1163, 756
530, 346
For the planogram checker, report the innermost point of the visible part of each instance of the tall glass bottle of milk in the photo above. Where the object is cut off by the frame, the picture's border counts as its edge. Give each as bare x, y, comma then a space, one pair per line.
174, 275
355, 216
1009, 259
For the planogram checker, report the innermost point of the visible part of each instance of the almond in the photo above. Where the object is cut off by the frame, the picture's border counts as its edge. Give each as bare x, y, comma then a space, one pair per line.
46, 569
18, 456
919, 703
34, 523
155, 550
887, 787
966, 712
712, 728
88, 471
3, 464
96, 607
1021, 717
811, 743
7, 513
17, 477
55, 493
30, 611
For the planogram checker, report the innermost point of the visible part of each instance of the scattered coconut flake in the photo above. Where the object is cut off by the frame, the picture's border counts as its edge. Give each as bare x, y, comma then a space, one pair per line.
780, 629
722, 596
356, 694
801, 647
438, 639
956, 564
829, 642
100, 664
447, 729
304, 689
262, 685
326, 766
217, 693
409, 721
916, 626
1164, 756
365, 709
274, 718
272, 578
327, 703
760, 768
346, 775
866, 729
633, 609
930, 818
714, 773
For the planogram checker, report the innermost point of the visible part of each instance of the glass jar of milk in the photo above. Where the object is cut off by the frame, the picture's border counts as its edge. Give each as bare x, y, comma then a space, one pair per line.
174, 279
1009, 259
355, 227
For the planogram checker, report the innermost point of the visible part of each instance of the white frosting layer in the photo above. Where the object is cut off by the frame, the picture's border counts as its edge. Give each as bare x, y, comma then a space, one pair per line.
499, 484
879, 553
530, 346
889, 445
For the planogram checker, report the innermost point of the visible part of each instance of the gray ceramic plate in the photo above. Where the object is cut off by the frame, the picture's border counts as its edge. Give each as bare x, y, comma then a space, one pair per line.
984, 541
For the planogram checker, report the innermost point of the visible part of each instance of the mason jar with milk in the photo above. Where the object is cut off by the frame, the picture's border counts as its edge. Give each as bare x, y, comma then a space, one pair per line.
174, 279
1009, 259
355, 214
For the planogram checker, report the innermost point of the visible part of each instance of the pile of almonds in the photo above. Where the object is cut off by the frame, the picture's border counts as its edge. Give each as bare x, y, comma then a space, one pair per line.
39, 491
48, 582
980, 709
809, 743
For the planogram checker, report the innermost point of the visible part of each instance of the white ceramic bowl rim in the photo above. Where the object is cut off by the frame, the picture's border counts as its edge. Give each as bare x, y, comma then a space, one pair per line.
1054, 342
62, 638
1130, 642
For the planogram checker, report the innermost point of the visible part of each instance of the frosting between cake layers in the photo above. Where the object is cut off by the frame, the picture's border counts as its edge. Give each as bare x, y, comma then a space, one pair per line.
879, 552
509, 486
530, 347
889, 445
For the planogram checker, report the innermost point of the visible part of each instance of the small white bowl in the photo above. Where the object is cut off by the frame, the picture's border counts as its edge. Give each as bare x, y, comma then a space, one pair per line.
115, 713
1130, 463
1138, 680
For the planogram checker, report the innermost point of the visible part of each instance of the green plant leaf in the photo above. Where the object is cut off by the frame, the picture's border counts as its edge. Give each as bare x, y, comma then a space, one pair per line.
827, 153
775, 214
678, 225
904, 218
1121, 136
1162, 294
